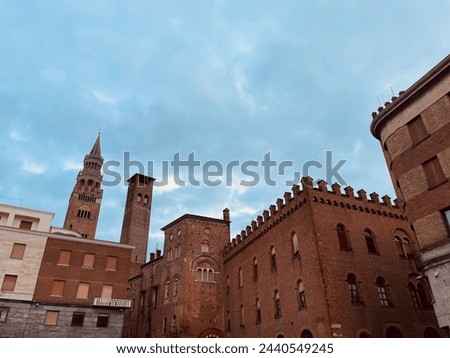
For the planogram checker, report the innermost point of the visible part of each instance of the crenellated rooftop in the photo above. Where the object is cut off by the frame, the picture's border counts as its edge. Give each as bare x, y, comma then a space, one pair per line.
311, 193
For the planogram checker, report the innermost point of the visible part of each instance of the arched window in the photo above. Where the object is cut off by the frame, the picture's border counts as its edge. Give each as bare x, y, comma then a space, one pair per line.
301, 296
175, 286
240, 277
295, 249
353, 288
402, 244
370, 242
242, 314
178, 251
139, 198
167, 289
205, 247
277, 304
146, 199
344, 244
169, 254
383, 294
255, 269
258, 311
414, 295
205, 274
273, 258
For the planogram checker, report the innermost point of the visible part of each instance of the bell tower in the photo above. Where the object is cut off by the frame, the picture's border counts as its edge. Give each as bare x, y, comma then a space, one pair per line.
85, 200
136, 217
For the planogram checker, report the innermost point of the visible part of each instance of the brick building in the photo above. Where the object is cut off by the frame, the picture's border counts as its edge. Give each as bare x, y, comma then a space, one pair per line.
414, 133
180, 294
319, 263
322, 263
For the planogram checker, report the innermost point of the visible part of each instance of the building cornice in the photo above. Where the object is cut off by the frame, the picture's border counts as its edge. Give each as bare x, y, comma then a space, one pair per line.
398, 102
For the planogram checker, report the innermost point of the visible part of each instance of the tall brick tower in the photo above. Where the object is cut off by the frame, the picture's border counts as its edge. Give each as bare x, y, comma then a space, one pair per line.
85, 200
136, 218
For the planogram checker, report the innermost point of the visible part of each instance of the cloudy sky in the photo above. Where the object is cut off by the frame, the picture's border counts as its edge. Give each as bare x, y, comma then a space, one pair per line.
224, 80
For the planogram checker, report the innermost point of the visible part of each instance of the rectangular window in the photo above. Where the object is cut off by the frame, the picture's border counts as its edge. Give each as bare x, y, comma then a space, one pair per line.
17, 251
88, 261
433, 172
64, 257
25, 225
78, 319
111, 263
57, 288
51, 318
103, 320
417, 130
3, 314
107, 291
83, 290
9, 283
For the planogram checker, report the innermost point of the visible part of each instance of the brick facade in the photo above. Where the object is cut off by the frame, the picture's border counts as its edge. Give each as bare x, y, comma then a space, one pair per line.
310, 280
180, 294
303, 268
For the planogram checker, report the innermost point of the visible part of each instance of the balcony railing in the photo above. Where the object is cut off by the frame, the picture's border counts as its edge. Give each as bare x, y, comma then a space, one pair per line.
112, 302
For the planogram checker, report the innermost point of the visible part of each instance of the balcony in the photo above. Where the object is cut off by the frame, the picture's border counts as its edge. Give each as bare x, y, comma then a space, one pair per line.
112, 302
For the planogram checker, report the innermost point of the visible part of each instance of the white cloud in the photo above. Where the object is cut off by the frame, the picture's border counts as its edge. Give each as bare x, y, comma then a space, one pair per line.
171, 185
244, 210
70, 164
53, 75
17, 136
246, 98
33, 167
104, 97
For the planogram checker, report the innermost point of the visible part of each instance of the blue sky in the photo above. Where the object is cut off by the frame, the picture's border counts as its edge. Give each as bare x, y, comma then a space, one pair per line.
225, 80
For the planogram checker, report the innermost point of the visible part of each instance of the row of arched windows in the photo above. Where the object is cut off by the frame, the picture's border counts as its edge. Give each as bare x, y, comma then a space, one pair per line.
356, 297
420, 293
401, 241
92, 165
88, 198
142, 199
90, 184
419, 296
84, 214
205, 274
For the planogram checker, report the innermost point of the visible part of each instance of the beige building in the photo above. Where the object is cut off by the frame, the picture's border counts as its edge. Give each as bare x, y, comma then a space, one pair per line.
23, 236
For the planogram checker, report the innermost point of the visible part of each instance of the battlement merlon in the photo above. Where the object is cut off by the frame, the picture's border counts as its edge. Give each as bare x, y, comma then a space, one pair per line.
334, 196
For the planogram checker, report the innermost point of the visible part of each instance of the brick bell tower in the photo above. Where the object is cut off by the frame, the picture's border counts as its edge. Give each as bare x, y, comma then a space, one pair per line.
85, 200
136, 217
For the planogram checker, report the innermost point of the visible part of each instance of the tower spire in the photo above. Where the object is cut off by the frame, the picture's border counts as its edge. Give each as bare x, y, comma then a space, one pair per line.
84, 203
96, 149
